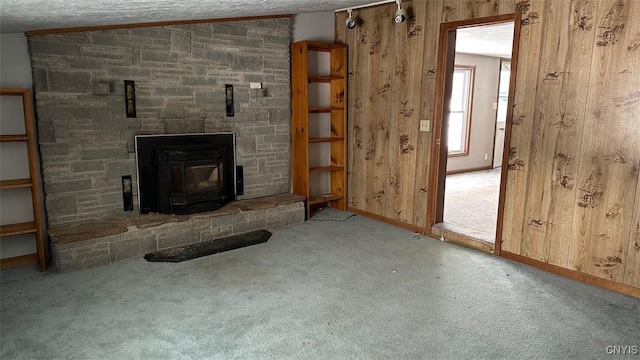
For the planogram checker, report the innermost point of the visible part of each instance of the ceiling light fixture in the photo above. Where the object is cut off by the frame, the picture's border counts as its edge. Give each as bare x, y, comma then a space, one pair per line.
350, 21
401, 14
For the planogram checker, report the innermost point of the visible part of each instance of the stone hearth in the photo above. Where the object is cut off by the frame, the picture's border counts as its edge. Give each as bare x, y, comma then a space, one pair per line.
97, 243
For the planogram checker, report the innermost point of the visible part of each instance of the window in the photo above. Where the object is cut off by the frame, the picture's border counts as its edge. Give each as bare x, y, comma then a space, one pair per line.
503, 91
460, 110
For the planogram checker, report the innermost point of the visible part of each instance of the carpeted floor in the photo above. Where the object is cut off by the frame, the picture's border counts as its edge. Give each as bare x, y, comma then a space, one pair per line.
471, 203
350, 289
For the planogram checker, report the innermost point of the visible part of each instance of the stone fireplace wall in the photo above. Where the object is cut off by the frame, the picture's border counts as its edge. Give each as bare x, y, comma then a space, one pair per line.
86, 141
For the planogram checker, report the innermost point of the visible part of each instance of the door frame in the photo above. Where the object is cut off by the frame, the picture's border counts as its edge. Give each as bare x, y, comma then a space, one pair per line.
444, 77
495, 132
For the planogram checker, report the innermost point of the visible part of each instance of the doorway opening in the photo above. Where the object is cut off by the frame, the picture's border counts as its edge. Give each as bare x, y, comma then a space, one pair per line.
474, 98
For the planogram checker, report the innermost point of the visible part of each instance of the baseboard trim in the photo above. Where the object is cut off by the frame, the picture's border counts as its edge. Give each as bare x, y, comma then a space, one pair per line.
387, 220
462, 171
574, 275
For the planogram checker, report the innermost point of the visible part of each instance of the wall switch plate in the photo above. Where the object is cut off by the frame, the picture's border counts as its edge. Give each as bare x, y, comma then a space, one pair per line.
425, 125
494, 106
255, 85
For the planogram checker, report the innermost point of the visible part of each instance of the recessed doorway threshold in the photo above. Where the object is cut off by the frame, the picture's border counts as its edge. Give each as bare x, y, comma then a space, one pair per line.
464, 236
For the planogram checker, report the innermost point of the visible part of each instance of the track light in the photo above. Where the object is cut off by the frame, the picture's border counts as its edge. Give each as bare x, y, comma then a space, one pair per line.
350, 22
401, 14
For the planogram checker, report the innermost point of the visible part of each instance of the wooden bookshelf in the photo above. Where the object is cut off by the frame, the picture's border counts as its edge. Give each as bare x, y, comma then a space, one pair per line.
337, 80
34, 226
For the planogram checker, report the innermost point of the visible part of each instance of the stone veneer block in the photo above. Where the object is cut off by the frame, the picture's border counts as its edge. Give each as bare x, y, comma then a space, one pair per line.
222, 212
137, 237
180, 72
85, 231
247, 205
283, 199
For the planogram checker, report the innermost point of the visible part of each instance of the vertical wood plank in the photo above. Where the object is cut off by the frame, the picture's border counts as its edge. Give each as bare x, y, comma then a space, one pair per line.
451, 10
431, 26
632, 267
341, 32
507, 6
408, 45
393, 171
358, 80
608, 173
522, 122
479, 8
377, 128
557, 132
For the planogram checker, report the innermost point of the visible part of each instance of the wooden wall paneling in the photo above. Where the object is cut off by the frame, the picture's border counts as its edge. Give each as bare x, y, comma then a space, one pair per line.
507, 6
431, 28
632, 267
396, 127
403, 130
472, 9
377, 126
365, 43
515, 55
451, 10
522, 121
565, 67
340, 29
608, 173
357, 83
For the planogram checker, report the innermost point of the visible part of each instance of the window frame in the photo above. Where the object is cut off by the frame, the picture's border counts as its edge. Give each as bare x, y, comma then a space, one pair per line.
469, 111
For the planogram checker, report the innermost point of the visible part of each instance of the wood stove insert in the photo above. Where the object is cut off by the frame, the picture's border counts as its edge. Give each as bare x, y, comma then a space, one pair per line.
185, 174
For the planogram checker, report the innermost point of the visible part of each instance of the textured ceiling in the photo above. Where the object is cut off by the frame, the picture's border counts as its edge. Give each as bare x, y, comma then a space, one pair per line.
25, 15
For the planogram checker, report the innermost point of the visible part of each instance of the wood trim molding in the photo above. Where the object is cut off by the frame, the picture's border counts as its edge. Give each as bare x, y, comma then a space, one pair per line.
438, 156
438, 162
574, 275
461, 239
149, 24
469, 112
462, 171
496, 19
21, 260
515, 50
387, 220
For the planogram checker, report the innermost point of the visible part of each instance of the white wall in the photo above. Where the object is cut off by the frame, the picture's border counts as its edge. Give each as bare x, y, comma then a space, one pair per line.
15, 67
483, 116
319, 26
15, 205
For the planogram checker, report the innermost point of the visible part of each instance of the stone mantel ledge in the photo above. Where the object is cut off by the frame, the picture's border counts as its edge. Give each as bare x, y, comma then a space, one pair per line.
95, 243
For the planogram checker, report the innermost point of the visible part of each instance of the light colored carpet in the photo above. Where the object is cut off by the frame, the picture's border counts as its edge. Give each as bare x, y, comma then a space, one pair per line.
471, 203
354, 289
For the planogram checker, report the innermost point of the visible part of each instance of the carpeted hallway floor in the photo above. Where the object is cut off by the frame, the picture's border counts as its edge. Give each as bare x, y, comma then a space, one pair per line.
341, 288
471, 203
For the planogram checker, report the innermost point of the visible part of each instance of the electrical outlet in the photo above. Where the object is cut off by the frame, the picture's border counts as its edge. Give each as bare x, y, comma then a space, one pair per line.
494, 106
486, 156
425, 125
255, 85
